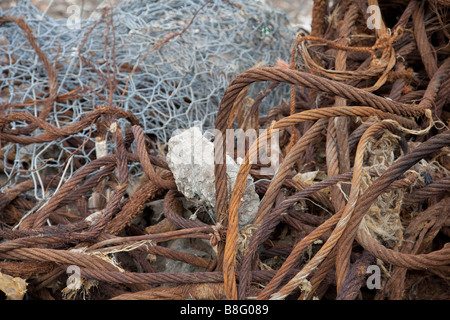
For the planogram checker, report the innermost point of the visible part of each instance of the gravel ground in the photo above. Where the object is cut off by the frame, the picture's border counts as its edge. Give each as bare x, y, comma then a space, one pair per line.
298, 11
59, 8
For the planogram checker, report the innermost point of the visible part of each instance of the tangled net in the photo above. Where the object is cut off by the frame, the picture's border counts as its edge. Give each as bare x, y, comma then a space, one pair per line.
363, 178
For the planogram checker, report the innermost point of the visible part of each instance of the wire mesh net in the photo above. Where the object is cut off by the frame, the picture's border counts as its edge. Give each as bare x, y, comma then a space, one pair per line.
112, 57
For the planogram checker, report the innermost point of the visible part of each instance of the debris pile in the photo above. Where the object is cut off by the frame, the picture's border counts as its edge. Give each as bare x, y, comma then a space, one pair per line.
99, 203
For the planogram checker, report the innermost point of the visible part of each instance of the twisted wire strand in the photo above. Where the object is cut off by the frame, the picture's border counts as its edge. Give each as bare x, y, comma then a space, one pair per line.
435, 189
146, 163
59, 256
422, 229
51, 132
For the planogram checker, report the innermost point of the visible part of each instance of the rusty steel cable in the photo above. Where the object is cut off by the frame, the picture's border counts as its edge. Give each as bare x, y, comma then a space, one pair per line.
146, 163
433, 218
244, 170
342, 223
434, 189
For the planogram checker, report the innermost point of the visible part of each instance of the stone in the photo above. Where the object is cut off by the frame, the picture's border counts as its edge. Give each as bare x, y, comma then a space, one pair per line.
191, 159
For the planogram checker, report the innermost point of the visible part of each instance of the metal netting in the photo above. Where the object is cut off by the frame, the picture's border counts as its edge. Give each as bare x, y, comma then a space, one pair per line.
180, 83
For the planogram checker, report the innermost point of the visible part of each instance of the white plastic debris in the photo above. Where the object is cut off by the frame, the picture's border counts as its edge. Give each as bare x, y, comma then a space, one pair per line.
191, 159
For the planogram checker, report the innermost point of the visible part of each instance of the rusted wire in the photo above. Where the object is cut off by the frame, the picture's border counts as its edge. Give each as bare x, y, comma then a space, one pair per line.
434, 189
391, 174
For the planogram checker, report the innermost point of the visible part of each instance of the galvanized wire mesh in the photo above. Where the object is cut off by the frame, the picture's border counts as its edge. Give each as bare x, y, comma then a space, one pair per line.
171, 88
